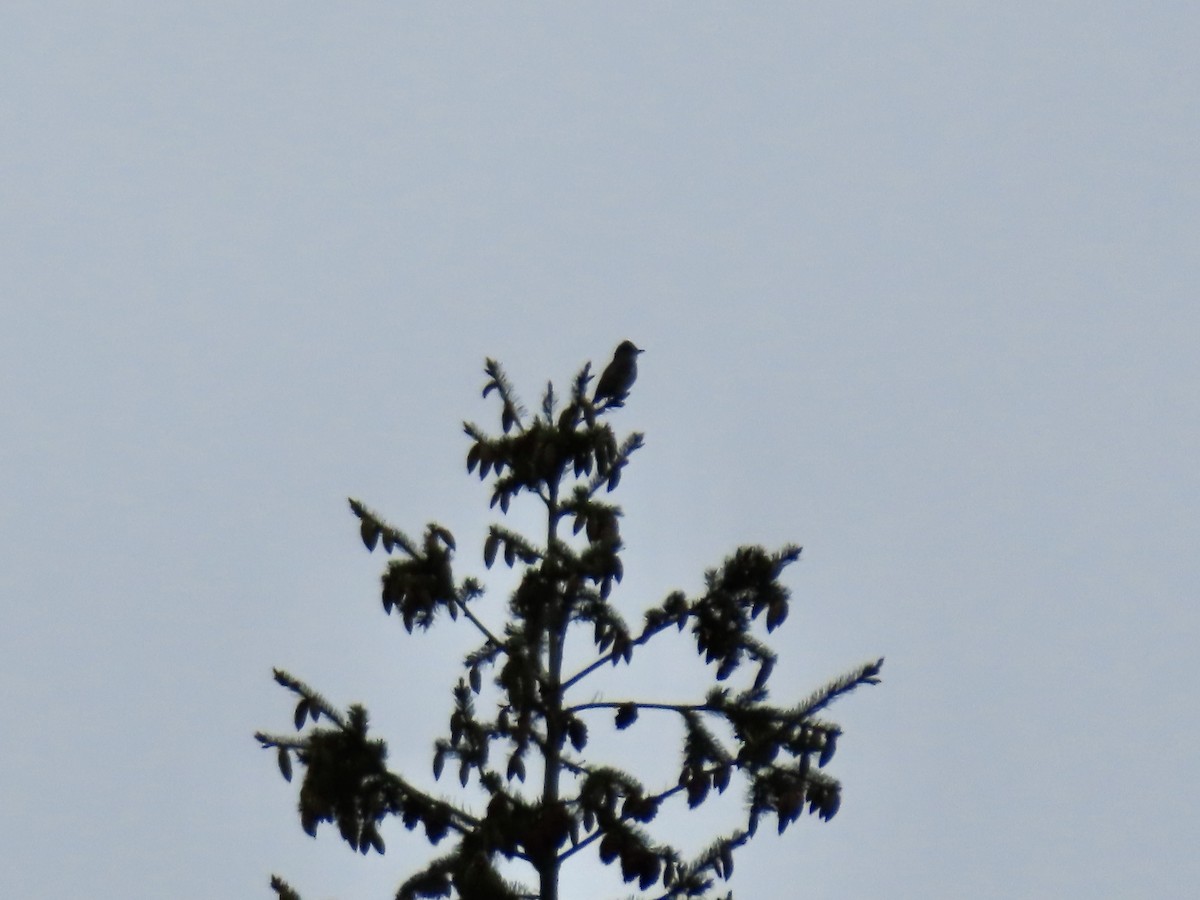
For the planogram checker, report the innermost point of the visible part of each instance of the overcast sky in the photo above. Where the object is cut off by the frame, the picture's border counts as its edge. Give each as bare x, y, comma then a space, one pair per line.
918, 284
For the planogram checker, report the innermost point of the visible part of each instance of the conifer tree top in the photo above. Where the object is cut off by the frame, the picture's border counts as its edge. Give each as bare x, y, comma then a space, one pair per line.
521, 716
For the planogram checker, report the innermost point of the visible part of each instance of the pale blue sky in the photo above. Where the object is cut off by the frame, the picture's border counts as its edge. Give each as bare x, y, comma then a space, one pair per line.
918, 286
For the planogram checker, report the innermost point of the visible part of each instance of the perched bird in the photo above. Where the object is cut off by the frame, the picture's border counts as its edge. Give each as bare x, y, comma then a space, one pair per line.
618, 376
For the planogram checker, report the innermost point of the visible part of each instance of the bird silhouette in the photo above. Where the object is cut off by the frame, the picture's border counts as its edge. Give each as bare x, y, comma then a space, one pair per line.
618, 376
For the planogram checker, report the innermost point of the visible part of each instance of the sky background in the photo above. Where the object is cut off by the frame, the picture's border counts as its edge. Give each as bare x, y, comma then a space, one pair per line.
918, 284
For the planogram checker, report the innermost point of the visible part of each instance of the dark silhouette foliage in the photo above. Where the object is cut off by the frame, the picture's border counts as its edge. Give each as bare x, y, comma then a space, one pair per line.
569, 460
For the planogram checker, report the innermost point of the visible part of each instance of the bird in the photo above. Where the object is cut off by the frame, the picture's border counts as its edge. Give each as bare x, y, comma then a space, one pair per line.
618, 376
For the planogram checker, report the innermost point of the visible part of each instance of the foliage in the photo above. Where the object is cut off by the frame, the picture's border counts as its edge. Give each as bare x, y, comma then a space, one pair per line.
570, 460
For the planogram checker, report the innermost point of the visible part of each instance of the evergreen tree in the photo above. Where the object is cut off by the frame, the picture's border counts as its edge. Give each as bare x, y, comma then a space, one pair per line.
567, 459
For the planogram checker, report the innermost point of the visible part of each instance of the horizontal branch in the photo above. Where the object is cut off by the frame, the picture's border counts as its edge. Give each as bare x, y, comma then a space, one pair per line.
680, 708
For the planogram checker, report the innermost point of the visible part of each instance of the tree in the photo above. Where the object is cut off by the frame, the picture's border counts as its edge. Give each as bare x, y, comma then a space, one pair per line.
567, 459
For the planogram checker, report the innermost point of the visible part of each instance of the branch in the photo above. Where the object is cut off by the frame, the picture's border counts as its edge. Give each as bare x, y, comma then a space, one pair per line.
312, 705
680, 708
608, 470
625, 817
483, 629
283, 889
373, 528
647, 632
868, 673
286, 741
513, 412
